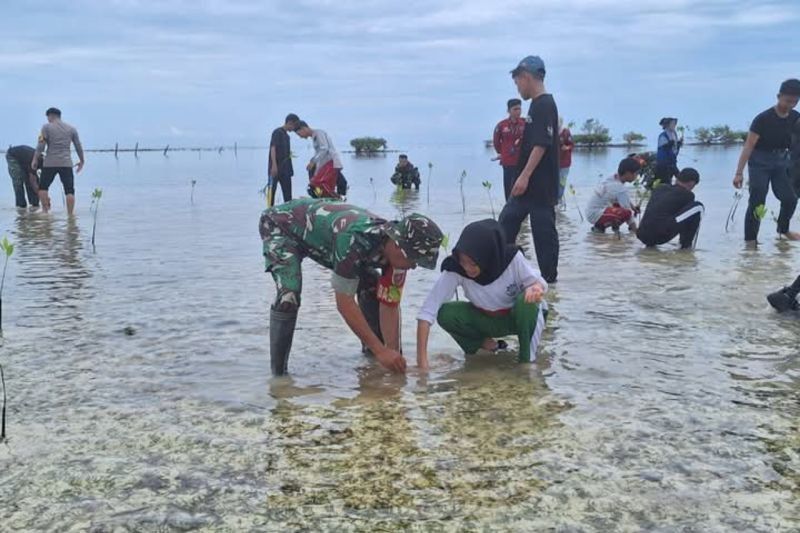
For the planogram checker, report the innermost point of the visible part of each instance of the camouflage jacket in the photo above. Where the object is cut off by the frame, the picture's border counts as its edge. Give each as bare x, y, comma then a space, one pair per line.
344, 238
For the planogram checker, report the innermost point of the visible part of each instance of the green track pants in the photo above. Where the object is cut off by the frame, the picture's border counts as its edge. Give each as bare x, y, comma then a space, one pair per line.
470, 326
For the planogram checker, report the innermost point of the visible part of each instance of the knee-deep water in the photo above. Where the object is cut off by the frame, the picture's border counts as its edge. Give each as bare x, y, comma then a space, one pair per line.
664, 396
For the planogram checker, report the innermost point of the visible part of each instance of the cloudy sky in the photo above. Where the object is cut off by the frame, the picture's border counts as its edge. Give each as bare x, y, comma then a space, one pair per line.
210, 72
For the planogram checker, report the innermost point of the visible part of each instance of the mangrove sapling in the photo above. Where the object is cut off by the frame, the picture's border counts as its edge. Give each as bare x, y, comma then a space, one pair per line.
96, 195
488, 186
461, 189
737, 196
430, 172
191, 197
8, 250
374, 192
574, 194
3, 413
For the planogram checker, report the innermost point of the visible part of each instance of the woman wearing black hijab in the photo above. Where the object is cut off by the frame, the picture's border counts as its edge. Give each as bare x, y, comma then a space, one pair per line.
503, 291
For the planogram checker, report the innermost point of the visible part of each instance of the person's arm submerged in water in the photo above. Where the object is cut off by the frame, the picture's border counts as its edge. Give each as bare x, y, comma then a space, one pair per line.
442, 291
351, 313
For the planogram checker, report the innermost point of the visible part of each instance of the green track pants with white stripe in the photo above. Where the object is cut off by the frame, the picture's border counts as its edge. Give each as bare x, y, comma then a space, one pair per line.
470, 326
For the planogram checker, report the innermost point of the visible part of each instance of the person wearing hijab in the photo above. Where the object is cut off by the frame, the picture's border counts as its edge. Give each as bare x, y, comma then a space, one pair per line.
668, 147
503, 292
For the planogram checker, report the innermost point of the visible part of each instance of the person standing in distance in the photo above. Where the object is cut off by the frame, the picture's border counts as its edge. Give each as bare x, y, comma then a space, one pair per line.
280, 160
766, 152
507, 138
535, 191
55, 141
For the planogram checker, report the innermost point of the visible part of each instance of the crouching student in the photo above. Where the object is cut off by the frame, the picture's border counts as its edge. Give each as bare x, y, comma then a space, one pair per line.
610, 206
503, 293
672, 211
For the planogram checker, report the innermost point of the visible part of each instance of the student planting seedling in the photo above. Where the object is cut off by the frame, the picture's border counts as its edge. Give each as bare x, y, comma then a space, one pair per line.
354, 244
673, 211
610, 205
503, 291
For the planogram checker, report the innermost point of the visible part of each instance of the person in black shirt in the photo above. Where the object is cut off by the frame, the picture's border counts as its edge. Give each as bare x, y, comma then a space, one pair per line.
23, 177
535, 191
280, 160
672, 211
766, 152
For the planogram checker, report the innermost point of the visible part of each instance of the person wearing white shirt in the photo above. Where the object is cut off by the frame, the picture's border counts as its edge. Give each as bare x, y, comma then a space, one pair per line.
503, 291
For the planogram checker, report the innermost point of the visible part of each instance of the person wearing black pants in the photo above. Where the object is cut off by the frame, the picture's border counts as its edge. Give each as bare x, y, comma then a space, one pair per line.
785, 299
280, 160
23, 177
535, 190
672, 211
766, 152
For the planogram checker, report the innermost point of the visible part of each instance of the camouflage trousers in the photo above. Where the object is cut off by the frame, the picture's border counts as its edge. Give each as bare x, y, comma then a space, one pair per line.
283, 257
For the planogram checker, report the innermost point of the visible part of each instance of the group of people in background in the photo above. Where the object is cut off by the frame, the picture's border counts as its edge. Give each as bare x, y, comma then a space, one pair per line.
33, 170
370, 256
326, 179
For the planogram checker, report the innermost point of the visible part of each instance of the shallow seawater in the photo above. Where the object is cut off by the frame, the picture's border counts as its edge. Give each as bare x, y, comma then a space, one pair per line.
665, 396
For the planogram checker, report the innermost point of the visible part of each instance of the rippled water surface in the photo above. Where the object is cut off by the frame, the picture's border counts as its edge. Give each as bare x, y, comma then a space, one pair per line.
664, 398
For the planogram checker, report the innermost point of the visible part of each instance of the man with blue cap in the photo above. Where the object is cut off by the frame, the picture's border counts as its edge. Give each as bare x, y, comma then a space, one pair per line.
535, 191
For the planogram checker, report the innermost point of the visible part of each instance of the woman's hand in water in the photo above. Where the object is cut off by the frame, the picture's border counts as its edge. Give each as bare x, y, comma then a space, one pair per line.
534, 293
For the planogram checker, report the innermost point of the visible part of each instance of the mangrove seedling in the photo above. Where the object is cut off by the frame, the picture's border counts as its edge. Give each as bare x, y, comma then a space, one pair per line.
8, 250
488, 186
446, 242
3, 413
574, 194
737, 196
374, 192
430, 171
461, 189
760, 212
191, 197
96, 195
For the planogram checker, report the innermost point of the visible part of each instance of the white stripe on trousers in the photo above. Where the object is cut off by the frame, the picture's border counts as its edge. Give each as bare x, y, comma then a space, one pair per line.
537, 332
698, 209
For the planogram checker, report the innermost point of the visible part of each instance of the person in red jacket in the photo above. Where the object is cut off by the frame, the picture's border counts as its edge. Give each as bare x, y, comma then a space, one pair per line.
507, 138
565, 158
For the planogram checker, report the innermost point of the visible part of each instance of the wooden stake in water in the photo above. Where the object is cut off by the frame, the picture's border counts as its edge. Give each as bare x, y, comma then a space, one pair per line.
166, 150
96, 195
116, 150
194, 182
136, 151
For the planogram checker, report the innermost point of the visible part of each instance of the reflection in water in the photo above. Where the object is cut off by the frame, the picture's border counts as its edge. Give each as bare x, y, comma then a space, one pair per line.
49, 255
462, 448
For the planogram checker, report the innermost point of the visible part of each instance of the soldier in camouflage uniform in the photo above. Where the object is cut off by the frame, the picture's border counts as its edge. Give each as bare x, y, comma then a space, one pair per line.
405, 174
355, 245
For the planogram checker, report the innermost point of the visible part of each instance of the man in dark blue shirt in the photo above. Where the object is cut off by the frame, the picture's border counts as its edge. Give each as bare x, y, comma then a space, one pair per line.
535, 191
23, 177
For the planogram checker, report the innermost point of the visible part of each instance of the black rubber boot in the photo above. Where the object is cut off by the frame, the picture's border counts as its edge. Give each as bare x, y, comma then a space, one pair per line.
281, 333
781, 301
